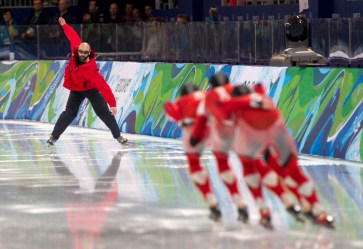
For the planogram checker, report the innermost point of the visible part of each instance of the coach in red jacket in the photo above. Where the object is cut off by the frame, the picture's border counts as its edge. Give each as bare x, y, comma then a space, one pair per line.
83, 79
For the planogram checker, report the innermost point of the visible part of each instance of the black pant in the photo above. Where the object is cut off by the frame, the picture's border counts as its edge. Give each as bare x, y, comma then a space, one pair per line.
99, 105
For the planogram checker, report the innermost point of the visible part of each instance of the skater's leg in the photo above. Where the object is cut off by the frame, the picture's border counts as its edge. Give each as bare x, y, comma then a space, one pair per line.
201, 180
74, 101
253, 181
102, 111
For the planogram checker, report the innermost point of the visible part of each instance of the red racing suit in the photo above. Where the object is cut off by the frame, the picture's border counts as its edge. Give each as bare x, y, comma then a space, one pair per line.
258, 129
210, 115
84, 77
184, 111
263, 131
221, 134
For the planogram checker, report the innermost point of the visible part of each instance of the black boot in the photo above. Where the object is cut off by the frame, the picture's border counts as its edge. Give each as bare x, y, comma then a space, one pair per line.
296, 212
323, 219
215, 213
265, 219
243, 215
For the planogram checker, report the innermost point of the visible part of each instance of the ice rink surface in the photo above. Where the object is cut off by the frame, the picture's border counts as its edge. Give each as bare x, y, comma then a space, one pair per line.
90, 192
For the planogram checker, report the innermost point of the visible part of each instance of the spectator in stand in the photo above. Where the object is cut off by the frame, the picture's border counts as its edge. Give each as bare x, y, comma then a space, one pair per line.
37, 17
109, 31
213, 18
232, 3
8, 30
58, 44
182, 18
63, 11
91, 32
136, 15
129, 7
28, 33
93, 15
148, 10
181, 44
153, 44
114, 14
133, 42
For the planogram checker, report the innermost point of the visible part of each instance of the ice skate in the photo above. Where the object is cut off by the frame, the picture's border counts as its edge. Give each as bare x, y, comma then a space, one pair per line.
296, 212
323, 219
51, 141
215, 213
243, 215
265, 219
122, 140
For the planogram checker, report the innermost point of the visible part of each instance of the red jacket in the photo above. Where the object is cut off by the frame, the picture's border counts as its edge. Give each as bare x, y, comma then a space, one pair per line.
184, 109
84, 77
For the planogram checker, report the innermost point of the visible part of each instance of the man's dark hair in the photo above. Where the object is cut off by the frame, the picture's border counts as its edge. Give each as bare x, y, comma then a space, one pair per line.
188, 88
219, 79
241, 90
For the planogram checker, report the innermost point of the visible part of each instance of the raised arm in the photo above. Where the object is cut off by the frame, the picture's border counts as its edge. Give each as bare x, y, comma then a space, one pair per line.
71, 34
236, 103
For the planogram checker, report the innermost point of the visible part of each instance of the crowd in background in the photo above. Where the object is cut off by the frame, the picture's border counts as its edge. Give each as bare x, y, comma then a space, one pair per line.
128, 32
27, 31
113, 14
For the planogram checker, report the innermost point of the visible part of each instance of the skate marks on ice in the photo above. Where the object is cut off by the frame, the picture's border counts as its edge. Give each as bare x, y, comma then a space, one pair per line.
141, 196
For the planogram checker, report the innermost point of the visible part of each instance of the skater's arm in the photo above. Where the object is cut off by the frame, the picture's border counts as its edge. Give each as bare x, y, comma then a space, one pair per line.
235, 104
252, 101
200, 126
173, 112
105, 90
71, 34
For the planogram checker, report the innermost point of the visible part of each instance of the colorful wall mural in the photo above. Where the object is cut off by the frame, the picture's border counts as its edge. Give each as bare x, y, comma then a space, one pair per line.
322, 106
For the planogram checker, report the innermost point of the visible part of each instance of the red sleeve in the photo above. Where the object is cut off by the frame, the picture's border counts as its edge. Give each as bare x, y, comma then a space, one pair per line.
200, 126
235, 104
105, 90
173, 112
72, 36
